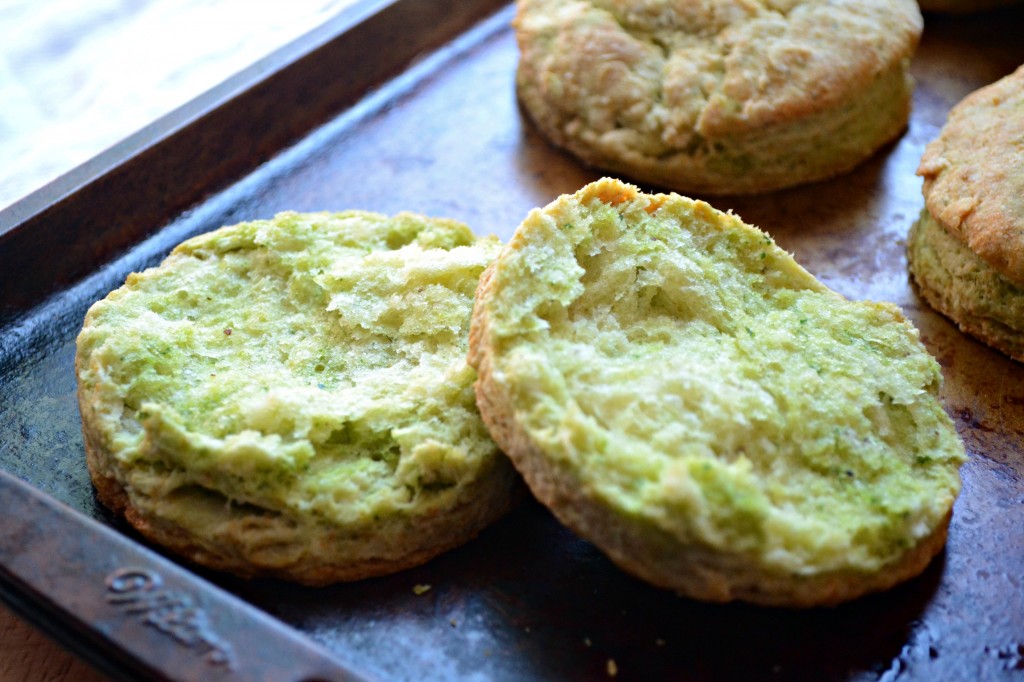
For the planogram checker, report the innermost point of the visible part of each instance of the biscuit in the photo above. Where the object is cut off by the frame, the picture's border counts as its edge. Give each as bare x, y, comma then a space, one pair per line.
974, 193
681, 393
290, 397
718, 98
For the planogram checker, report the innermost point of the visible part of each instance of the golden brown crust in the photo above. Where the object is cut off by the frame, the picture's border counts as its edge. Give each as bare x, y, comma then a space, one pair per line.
974, 175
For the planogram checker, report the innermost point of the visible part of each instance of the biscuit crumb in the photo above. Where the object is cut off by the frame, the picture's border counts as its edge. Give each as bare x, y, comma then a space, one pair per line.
421, 589
587, 643
613, 668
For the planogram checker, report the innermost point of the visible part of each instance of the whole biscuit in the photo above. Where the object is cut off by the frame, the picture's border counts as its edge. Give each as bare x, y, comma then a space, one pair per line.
719, 98
290, 397
967, 251
680, 392
974, 175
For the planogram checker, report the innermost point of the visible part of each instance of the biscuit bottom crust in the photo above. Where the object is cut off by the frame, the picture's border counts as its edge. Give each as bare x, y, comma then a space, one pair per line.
299, 550
960, 285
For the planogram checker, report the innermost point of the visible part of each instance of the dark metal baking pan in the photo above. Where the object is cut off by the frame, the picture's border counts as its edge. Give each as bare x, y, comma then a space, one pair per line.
410, 105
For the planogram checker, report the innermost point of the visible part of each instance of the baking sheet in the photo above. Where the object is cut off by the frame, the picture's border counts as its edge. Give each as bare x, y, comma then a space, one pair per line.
527, 599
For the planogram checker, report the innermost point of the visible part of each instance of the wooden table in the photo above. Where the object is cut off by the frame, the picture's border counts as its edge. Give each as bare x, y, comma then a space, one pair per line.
27, 655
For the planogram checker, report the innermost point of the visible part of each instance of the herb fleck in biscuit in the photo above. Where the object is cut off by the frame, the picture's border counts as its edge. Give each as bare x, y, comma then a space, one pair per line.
725, 97
290, 397
966, 252
679, 391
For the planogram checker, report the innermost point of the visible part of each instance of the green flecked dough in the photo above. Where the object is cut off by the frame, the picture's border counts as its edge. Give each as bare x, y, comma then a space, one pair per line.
961, 285
687, 374
311, 366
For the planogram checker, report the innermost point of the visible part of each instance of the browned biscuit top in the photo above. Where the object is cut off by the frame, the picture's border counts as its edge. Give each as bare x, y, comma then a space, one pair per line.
714, 69
974, 175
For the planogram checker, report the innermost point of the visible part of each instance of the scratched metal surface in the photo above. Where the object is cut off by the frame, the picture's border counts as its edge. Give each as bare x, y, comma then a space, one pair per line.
528, 599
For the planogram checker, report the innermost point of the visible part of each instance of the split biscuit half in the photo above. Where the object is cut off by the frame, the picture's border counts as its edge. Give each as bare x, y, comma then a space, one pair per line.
680, 392
290, 397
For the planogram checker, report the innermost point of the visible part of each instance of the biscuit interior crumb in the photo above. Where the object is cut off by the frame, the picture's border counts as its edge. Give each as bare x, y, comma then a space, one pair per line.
688, 372
311, 365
